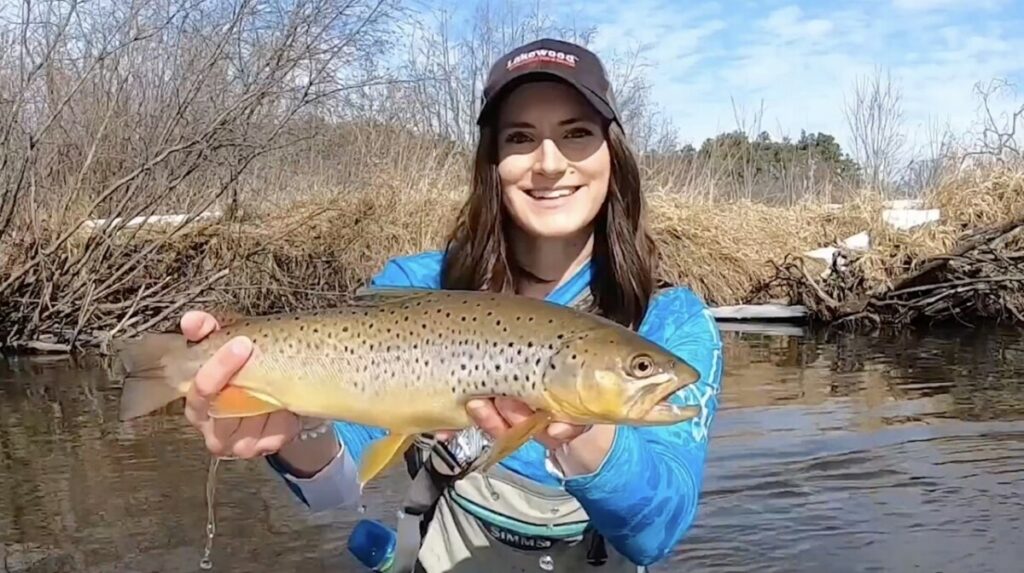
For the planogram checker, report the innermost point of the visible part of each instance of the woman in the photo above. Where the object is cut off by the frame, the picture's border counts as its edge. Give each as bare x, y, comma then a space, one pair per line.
556, 212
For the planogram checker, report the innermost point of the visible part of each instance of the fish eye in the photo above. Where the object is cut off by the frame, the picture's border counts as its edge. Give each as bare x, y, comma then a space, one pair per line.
641, 365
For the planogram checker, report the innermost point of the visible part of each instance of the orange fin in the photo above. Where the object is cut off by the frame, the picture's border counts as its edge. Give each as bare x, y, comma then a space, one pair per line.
235, 402
382, 454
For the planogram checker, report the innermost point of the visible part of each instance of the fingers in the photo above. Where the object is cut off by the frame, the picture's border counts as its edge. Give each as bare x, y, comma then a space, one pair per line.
512, 410
222, 366
247, 435
281, 428
218, 435
196, 324
487, 417
556, 433
560, 432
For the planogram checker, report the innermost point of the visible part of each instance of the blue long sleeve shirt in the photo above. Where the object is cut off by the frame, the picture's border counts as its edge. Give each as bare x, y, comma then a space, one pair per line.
644, 497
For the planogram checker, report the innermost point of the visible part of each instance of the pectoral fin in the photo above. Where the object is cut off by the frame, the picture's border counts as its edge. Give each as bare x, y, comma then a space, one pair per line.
511, 441
234, 402
382, 453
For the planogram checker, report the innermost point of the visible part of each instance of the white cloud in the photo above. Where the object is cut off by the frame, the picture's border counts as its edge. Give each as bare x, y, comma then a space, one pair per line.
800, 62
931, 5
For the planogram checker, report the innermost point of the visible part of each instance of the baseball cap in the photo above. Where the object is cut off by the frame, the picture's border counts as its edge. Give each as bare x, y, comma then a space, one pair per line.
572, 63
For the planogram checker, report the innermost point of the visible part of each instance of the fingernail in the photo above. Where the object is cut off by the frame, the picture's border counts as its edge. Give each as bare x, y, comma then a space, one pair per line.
240, 346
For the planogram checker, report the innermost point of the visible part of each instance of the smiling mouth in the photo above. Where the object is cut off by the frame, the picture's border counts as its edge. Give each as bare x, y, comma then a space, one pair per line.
552, 194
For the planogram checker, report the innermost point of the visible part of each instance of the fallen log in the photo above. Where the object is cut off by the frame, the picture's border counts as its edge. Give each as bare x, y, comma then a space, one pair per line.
980, 278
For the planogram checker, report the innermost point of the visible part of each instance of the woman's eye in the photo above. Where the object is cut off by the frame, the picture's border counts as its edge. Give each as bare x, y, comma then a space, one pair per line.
517, 137
578, 132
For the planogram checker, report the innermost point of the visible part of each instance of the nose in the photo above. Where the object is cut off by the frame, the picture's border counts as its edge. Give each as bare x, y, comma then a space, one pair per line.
550, 161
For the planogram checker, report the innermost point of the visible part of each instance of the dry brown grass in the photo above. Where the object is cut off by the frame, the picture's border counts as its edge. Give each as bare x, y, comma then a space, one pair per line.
963, 267
723, 251
314, 250
967, 202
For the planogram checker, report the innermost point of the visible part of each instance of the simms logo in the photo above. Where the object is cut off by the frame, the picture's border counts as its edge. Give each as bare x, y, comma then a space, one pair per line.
542, 56
518, 540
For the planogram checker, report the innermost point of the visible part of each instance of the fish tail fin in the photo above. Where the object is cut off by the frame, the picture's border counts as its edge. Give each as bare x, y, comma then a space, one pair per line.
150, 383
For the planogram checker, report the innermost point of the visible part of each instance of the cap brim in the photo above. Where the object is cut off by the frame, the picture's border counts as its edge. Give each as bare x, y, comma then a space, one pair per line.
532, 75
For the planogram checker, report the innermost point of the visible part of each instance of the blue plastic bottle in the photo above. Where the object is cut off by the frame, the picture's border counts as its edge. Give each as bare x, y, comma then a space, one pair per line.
373, 544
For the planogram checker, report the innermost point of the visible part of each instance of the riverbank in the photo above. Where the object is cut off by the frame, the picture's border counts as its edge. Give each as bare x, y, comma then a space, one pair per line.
315, 252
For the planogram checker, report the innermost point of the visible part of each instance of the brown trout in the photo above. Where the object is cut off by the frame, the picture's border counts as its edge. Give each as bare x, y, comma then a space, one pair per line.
408, 360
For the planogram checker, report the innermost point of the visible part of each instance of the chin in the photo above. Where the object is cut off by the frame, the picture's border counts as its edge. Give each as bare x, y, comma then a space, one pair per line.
555, 230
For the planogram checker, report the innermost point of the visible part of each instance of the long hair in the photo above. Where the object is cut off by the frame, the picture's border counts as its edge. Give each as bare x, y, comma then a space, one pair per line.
624, 256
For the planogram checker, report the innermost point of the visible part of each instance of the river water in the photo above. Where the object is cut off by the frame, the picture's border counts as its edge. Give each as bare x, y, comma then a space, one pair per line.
830, 453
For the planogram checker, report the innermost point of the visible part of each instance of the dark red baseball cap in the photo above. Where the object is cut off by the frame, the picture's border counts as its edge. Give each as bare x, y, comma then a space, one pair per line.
569, 62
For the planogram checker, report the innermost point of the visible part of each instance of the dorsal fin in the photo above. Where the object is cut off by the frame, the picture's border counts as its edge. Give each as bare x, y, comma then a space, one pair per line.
375, 296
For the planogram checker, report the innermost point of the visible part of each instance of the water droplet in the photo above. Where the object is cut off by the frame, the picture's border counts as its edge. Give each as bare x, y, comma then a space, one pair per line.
547, 563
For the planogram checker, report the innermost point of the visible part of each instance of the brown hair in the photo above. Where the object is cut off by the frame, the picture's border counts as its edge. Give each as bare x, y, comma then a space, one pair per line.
624, 257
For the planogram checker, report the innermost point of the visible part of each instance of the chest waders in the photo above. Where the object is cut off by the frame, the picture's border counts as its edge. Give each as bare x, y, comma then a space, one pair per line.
493, 521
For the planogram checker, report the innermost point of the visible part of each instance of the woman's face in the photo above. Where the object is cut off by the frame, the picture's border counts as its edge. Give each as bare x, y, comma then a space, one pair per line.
553, 159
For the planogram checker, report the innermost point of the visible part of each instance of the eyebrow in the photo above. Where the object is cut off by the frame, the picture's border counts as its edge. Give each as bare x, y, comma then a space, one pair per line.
528, 125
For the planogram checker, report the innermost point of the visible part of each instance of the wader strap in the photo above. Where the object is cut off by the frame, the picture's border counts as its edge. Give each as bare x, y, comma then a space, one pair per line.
428, 484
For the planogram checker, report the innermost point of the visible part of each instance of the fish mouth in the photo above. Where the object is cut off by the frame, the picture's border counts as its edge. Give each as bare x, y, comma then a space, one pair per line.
654, 406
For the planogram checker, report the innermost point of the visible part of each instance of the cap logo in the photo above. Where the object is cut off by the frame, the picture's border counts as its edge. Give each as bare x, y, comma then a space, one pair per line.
543, 55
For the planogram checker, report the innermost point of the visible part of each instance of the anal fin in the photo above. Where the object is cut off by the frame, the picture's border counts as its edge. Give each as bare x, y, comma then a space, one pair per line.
235, 402
383, 453
512, 440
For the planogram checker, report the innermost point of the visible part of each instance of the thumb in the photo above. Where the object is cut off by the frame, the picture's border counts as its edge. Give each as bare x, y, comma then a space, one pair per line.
222, 366
196, 324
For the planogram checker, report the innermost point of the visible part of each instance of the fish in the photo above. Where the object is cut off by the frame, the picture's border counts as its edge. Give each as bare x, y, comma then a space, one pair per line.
408, 360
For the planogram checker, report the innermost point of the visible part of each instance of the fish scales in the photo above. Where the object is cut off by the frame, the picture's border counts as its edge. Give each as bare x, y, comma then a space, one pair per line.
442, 349
409, 360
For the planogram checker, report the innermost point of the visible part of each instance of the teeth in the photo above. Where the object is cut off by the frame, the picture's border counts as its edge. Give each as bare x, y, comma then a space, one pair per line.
555, 194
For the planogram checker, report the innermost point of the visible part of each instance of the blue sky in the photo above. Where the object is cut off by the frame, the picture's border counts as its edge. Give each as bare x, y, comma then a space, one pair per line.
799, 58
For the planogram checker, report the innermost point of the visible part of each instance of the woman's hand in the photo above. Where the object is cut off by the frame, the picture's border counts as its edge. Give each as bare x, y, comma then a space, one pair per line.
235, 437
577, 449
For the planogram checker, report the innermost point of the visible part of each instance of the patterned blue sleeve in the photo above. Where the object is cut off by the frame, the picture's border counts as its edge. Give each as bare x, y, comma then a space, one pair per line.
644, 497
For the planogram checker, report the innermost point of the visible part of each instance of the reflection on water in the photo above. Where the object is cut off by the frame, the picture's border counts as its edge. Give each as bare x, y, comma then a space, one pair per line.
838, 453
